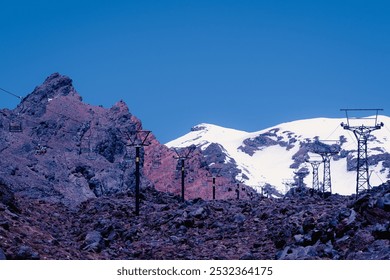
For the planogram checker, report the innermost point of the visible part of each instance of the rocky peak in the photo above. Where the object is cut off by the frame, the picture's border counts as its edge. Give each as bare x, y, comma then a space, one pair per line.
199, 127
57, 85
68, 151
120, 106
54, 86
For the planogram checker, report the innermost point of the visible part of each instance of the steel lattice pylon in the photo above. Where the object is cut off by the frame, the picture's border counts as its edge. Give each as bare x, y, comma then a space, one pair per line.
362, 132
326, 152
327, 186
301, 175
315, 164
362, 163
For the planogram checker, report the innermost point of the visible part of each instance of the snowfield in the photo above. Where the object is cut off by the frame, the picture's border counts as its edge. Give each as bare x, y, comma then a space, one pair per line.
272, 163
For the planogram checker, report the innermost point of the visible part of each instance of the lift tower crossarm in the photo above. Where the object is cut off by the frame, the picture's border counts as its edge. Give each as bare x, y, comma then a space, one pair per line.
214, 171
182, 155
362, 133
137, 139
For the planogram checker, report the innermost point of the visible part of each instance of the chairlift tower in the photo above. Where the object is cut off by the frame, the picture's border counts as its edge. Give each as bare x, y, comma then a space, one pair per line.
362, 132
315, 164
301, 174
326, 151
238, 191
182, 155
215, 173
137, 139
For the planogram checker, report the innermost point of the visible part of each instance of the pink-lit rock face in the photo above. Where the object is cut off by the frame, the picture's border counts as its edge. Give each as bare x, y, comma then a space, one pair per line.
164, 169
70, 151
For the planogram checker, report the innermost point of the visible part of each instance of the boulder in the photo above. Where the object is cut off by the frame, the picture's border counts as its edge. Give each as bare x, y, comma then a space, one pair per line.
93, 241
25, 252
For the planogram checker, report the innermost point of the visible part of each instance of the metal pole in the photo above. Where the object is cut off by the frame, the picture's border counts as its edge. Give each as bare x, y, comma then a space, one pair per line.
182, 179
213, 188
137, 178
137, 139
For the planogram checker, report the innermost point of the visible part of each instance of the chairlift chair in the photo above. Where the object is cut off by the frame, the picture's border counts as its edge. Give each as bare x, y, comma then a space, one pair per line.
91, 155
15, 126
40, 149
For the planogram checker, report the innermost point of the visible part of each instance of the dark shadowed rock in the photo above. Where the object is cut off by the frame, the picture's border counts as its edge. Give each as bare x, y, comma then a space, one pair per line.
24, 252
386, 202
381, 231
7, 197
2, 255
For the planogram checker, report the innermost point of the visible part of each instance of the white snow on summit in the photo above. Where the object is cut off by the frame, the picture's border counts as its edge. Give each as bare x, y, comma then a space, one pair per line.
271, 164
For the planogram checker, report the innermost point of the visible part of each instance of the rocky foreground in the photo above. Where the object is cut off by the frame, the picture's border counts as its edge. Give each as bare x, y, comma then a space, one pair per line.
297, 227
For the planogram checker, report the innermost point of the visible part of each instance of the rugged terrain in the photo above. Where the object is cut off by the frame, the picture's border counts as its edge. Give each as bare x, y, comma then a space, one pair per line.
300, 226
67, 192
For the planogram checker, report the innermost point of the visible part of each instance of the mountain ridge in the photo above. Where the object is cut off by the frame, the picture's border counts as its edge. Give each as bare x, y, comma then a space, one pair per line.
283, 144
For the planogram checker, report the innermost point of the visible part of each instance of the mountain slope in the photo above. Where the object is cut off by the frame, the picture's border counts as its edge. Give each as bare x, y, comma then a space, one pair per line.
272, 155
68, 151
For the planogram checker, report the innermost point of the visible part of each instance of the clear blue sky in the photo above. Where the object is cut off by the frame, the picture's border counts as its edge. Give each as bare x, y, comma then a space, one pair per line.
242, 64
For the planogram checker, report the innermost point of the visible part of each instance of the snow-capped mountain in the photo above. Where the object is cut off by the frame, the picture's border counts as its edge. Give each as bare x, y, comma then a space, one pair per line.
272, 155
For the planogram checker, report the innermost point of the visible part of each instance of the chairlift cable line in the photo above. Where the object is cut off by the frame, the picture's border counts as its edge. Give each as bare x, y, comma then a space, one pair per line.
40, 122
376, 173
63, 115
78, 121
337, 127
387, 128
10, 93
54, 112
20, 97
352, 136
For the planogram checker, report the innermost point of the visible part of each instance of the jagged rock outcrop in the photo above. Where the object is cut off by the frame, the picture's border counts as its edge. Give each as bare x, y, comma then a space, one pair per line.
68, 151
